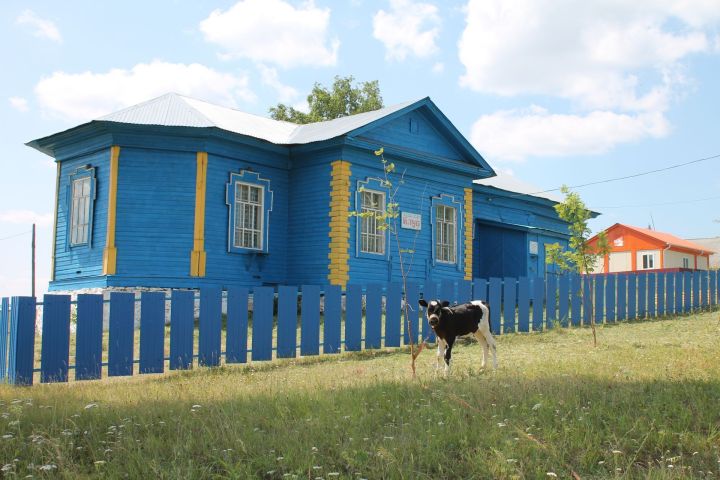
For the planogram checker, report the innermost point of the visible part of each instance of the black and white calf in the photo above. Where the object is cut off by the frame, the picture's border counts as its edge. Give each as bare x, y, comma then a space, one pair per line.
448, 323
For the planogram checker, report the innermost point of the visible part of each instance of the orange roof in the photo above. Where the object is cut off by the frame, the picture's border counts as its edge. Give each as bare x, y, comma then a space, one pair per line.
670, 240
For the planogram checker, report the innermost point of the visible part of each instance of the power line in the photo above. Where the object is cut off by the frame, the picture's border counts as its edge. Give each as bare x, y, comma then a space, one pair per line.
16, 235
661, 204
630, 176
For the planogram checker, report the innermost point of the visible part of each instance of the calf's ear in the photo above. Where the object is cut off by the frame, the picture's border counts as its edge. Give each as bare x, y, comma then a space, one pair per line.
445, 303
422, 302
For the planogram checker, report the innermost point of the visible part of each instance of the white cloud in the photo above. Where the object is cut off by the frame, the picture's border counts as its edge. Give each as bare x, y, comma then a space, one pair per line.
19, 103
439, 67
598, 59
619, 64
87, 95
409, 28
514, 135
269, 76
41, 27
26, 217
273, 31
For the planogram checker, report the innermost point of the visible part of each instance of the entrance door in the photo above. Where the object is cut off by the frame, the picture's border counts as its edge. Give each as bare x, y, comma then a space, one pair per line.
502, 252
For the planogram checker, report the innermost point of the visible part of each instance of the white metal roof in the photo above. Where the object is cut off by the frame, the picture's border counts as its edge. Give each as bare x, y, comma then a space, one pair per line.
180, 111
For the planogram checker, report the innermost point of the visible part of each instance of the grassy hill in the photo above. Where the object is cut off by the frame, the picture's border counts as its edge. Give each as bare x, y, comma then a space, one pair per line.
644, 404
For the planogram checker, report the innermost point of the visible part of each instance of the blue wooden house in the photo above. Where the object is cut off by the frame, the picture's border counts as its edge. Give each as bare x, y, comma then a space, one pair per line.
179, 193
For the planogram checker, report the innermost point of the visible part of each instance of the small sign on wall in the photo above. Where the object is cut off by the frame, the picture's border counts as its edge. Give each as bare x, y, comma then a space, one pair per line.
533, 247
411, 221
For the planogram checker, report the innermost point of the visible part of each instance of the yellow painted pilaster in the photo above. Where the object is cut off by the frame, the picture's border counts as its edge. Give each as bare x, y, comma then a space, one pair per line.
110, 252
197, 256
468, 233
339, 242
55, 218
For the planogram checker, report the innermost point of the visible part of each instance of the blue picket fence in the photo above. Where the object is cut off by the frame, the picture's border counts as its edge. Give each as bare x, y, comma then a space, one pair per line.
263, 323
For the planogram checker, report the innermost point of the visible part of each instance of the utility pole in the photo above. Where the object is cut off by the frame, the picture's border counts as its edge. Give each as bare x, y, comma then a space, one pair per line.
33, 260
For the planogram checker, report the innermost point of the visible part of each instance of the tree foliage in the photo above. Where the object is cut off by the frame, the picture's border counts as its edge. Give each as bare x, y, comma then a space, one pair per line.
340, 101
581, 255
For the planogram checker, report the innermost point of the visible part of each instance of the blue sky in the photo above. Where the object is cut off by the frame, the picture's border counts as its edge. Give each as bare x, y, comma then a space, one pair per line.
549, 92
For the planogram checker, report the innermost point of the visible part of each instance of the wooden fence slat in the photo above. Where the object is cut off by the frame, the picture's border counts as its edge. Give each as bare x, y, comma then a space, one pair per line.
695, 290
509, 302
642, 295
21, 351
714, 287
262, 323
332, 319
564, 300
55, 352
538, 286
412, 295
4, 324
679, 277
523, 304
464, 293
599, 307
621, 310
210, 335
88, 337
310, 320
393, 303
429, 293
495, 303
236, 336
632, 296
182, 329
373, 314
287, 322
447, 291
670, 293
651, 295
480, 289
576, 299
551, 295
704, 288
610, 302
353, 318
121, 333
587, 303
660, 294
152, 332
687, 294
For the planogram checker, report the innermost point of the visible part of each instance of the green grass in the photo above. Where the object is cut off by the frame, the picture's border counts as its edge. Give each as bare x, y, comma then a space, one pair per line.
644, 404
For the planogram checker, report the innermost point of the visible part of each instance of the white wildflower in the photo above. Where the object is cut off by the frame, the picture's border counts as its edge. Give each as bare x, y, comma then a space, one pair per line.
91, 405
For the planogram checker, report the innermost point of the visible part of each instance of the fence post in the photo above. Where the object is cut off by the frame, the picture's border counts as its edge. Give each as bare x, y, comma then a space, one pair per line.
4, 323
22, 341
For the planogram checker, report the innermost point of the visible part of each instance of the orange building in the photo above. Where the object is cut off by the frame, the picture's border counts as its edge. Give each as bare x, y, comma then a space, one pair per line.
634, 249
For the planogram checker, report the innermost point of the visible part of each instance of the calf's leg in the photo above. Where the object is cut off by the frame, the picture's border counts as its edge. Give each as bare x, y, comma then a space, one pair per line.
448, 354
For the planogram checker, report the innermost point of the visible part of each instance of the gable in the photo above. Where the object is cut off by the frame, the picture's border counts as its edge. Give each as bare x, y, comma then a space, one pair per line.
414, 131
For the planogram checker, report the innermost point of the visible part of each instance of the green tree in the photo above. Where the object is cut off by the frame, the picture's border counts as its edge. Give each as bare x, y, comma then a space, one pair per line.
340, 101
581, 256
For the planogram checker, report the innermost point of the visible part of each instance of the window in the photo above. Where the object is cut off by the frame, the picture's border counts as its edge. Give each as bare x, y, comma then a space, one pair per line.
80, 199
686, 262
445, 234
249, 201
248, 216
647, 260
80, 211
372, 236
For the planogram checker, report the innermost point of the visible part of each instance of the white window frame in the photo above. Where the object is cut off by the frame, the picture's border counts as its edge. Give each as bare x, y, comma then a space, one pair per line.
80, 210
686, 262
372, 237
255, 233
446, 241
652, 260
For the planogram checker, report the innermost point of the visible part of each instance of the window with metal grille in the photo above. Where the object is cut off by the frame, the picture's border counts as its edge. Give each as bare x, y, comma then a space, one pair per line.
249, 215
372, 236
445, 234
80, 211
